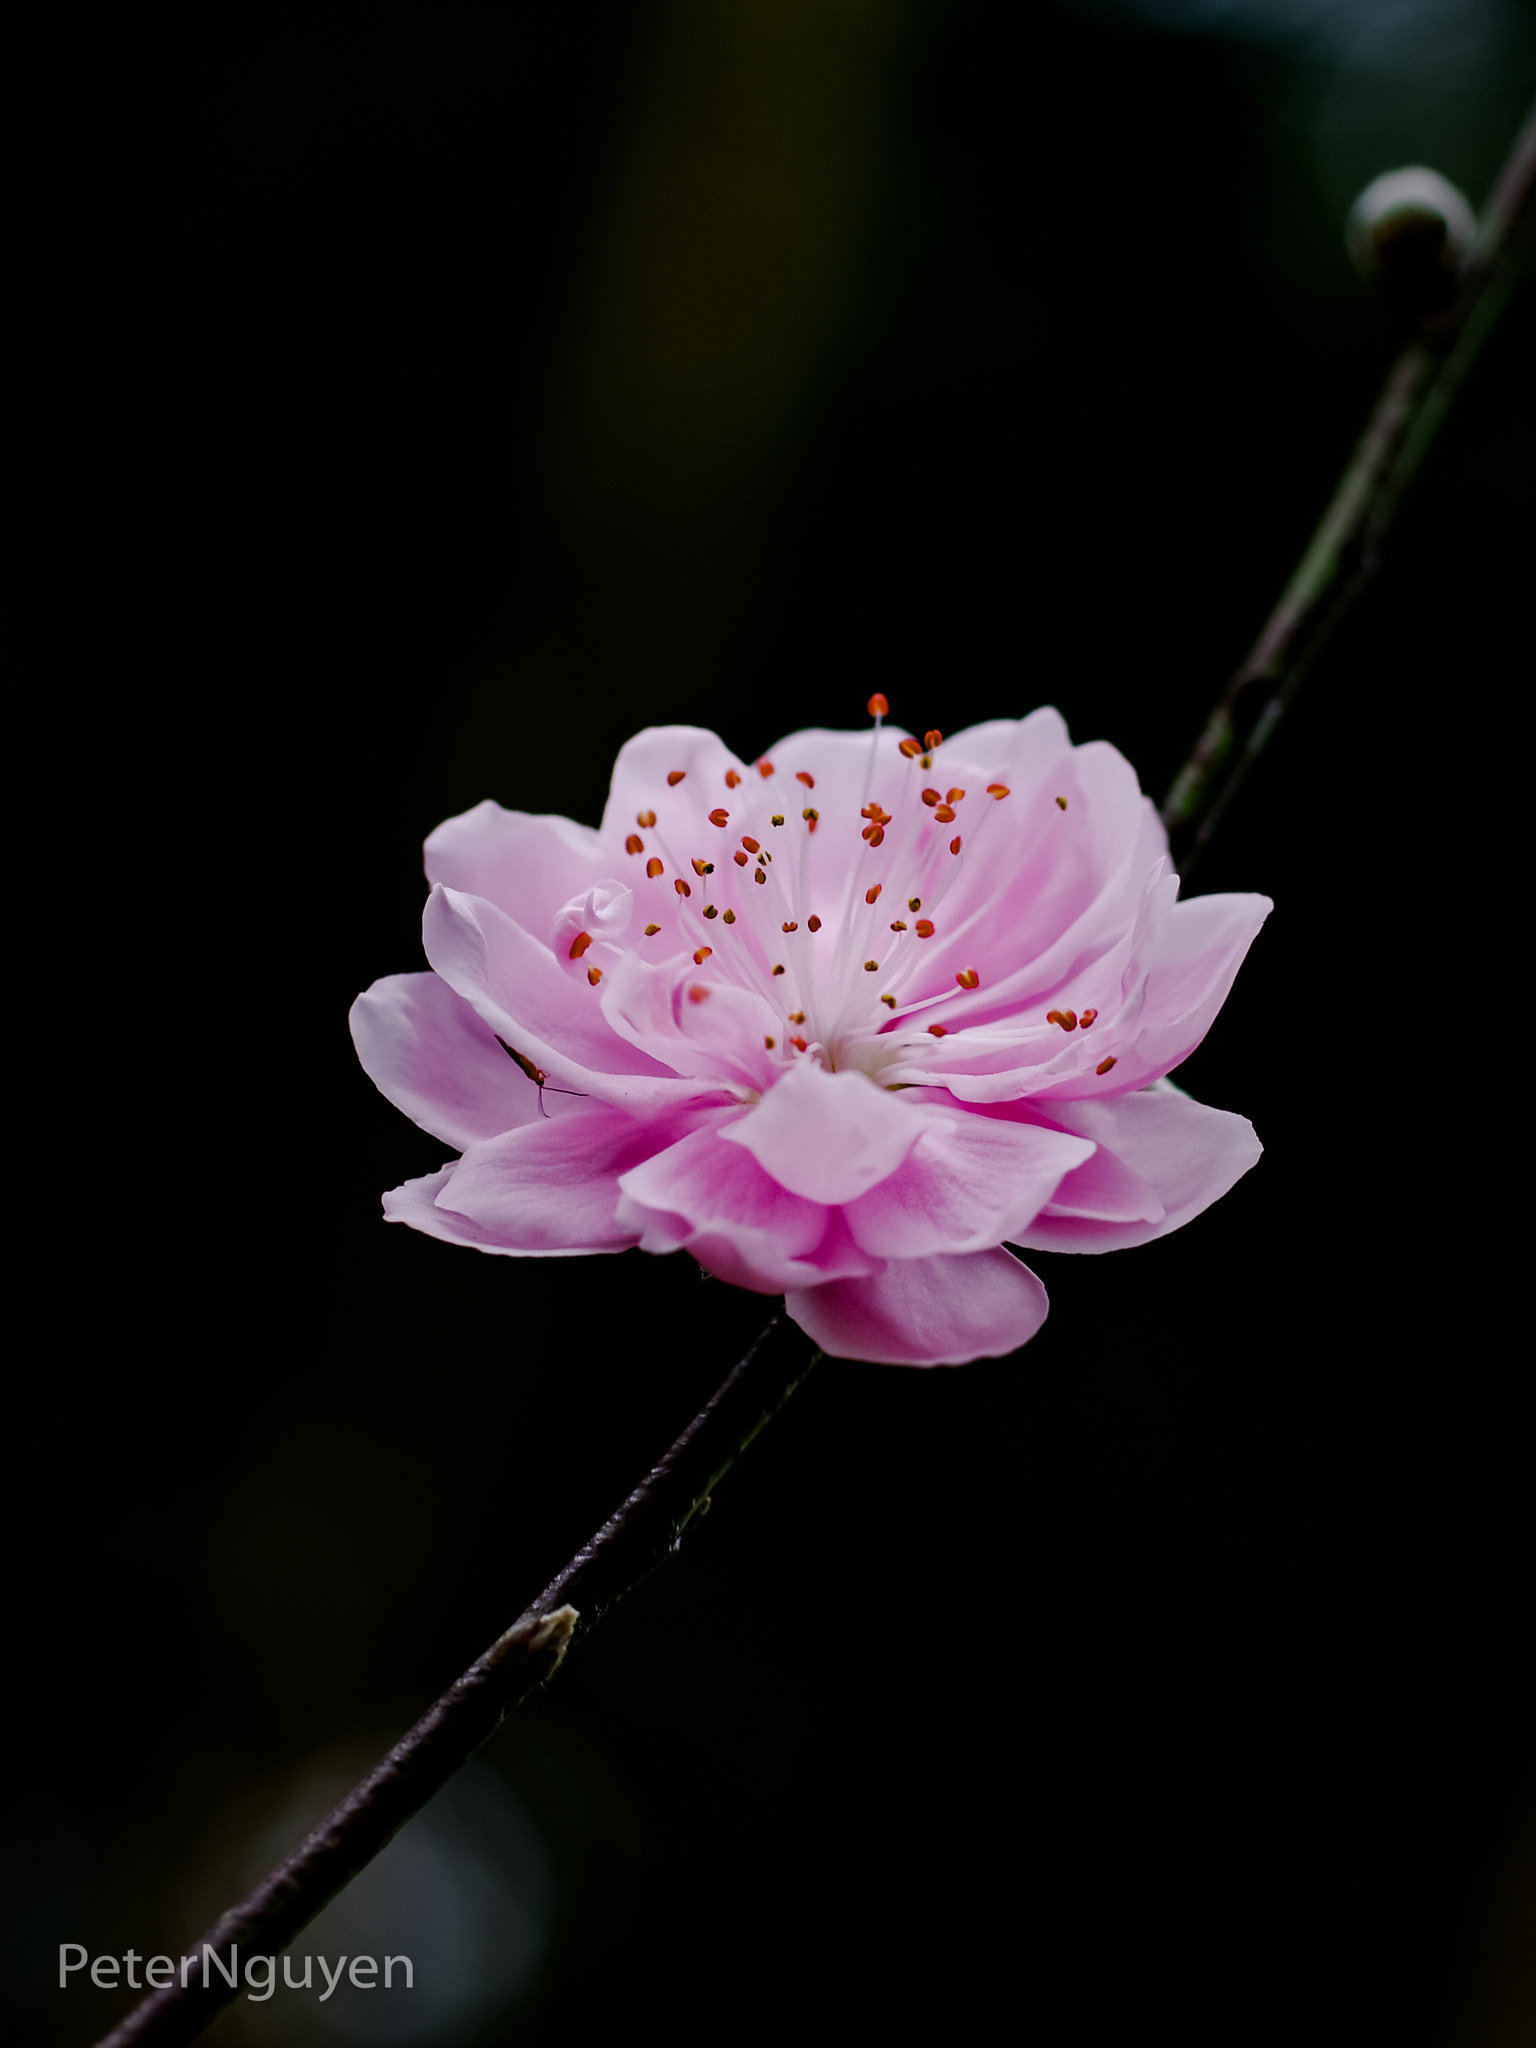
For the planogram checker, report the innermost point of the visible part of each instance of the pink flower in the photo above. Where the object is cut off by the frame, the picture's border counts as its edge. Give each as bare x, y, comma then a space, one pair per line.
844, 1023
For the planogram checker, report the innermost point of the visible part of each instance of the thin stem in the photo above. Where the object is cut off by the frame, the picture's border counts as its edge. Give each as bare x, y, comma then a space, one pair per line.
1345, 549
648, 1527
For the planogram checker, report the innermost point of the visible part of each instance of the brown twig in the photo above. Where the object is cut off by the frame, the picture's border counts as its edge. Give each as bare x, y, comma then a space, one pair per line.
648, 1527
1345, 549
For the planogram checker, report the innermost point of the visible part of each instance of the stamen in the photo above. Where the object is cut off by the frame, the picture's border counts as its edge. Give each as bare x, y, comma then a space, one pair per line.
1067, 1019
889, 1002
932, 741
777, 818
1061, 803
1104, 1065
799, 1045
808, 780
634, 843
702, 867
791, 927
1086, 1019
739, 858
711, 910
945, 814
968, 977
956, 843
779, 969
720, 818
579, 945
813, 924
938, 1031
871, 894
876, 835
653, 867
768, 1045
811, 817
682, 887
914, 903
645, 819
924, 927
910, 748
877, 707
652, 929
797, 1016
898, 926
997, 790
730, 917
871, 966
765, 769
731, 778
759, 875
702, 955
697, 992
930, 797
751, 845
955, 796
676, 777
594, 975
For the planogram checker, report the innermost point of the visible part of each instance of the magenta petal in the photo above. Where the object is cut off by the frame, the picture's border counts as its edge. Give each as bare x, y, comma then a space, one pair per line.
1183, 1153
715, 1201
970, 1182
427, 1050
944, 1310
828, 1137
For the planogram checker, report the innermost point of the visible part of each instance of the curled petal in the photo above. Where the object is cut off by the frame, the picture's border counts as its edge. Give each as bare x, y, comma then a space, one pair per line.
828, 1137
426, 1049
943, 1310
525, 864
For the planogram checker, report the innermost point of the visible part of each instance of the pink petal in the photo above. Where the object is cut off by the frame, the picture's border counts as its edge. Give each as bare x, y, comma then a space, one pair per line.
518, 988
1184, 1154
425, 1048
553, 1186
525, 864
828, 1137
415, 1203
719, 1034
970, 1182
944, 1310
715, 1201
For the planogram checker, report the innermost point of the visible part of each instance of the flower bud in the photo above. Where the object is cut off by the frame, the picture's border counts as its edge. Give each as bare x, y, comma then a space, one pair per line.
1410, 233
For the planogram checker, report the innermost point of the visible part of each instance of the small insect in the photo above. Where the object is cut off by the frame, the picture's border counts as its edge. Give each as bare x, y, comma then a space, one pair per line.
535, 1074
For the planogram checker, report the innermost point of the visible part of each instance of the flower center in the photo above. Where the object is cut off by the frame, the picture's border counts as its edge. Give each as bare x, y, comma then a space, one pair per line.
823, 907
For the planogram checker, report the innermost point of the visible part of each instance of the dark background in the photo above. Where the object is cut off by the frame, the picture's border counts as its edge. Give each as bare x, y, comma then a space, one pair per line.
421, 399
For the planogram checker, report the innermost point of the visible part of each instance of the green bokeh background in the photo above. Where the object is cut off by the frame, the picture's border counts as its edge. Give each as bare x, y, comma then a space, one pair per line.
428, 397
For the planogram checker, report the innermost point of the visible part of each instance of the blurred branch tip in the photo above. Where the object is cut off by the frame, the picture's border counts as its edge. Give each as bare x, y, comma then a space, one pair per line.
1413, 233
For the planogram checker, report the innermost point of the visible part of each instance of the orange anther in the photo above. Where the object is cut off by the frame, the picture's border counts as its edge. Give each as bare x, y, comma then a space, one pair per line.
730, 917
1104, 1065
731, 778
811, 818
930, 797
676, 777
871, 894
889, 1001
758, 875
871, 966
700, 867
932, 740
768, 1044
937, 1031
944, 815
710, 910
799, 1045
898, 926
968, 977
924, 927
1061, 803
791, 927
653, 867
914, 903
721, 818
645, 819
594, 975
1087, 1018
702, 955
779, 969
956, 843
910, 748
808, 780
740, 859
877, 837
634, 843
651, 930
751, 845
697, 992
777, 818
797, 1016
998, 790
1067, 1019
579, 945
813, 924
955, 796
682, 887
877, 706
765, 769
